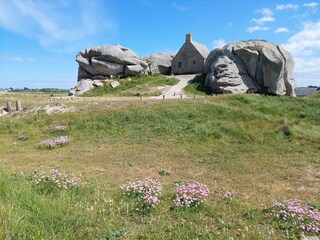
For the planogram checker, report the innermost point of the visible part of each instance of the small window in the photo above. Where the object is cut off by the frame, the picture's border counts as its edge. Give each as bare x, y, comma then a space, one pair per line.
179, 64
194, 62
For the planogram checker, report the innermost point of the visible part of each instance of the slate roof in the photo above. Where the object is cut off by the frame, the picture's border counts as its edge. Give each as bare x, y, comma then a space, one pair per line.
203, 50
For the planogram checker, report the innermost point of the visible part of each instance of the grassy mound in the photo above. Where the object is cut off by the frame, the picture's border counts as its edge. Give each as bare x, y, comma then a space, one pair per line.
134, 86
260, 148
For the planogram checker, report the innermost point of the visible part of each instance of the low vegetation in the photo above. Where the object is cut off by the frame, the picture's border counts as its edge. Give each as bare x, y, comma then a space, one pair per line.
134, 86
219, 167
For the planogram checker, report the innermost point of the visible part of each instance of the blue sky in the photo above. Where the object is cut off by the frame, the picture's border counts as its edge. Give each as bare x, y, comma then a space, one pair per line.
39, 39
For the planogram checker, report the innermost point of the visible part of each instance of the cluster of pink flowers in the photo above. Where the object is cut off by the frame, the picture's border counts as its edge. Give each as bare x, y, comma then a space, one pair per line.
58, 178
304, 217
147, 191
54, 142
190, 193
228, 195
56, 128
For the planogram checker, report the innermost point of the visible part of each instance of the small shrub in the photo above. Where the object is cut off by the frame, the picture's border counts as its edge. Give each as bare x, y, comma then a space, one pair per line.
118, 233
163, 172
23, 137
146, 192
54, 142
296, 218
190, 194
55, 179
56, 128
227, 195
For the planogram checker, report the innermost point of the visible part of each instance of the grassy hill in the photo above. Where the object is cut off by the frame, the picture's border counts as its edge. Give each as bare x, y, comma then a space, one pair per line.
262, 148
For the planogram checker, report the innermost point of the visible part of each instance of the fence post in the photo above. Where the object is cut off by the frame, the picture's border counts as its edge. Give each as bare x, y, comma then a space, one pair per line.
163, 96
9, 107
18, 106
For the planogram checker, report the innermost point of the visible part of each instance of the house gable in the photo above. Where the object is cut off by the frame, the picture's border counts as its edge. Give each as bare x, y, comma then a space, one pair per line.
190, 58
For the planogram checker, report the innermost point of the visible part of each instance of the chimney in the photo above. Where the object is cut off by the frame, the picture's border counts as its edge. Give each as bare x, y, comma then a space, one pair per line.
188, 37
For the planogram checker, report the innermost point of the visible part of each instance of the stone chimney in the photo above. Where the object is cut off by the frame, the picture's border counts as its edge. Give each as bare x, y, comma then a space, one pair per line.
188, 37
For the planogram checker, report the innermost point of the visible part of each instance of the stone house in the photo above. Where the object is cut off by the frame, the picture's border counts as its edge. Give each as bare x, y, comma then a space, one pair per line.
190, 58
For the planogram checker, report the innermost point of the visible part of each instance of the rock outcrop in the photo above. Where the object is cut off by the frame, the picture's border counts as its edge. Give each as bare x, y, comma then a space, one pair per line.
96, 65
250, 66
106, 62
159, 63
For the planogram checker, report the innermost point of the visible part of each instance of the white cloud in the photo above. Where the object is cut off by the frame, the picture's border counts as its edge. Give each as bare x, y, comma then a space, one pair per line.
287, 6
307, 39
311, 4
305, 48
257, 28
179, 7
281, 30
48, 22
17, 59
218, 43
266, 16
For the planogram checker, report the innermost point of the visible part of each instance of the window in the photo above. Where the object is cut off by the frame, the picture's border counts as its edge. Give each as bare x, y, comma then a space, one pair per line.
179, 64
194, 62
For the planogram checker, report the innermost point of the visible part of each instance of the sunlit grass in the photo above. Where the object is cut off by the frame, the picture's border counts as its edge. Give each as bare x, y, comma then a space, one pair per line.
264, 148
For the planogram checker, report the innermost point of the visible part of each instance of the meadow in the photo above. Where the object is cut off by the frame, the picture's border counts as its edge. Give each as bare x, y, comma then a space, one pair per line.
248, 150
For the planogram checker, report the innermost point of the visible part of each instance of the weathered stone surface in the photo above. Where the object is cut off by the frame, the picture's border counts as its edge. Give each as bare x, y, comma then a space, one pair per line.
106, 68
97, 83
250, 66
82, 86
107, 62
114, 84
159, 63
133, 70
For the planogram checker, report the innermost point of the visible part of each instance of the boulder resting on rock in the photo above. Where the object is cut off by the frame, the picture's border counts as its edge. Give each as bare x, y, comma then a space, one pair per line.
159, 63
250, 66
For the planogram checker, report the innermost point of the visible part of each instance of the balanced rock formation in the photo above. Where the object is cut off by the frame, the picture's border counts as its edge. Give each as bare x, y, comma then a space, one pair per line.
250, 66
98, 65
159, 63
106, 62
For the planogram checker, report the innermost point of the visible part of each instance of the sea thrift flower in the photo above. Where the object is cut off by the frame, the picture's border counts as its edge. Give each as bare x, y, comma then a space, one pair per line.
190, 193
54, 142
146, 191
228, 195
305, 218
58, 178
56, 128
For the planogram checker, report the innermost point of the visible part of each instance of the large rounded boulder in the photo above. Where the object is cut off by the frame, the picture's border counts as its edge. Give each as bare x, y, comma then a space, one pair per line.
250, 66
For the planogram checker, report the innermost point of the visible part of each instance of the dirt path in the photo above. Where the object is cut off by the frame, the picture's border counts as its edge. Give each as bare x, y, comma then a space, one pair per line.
177, 90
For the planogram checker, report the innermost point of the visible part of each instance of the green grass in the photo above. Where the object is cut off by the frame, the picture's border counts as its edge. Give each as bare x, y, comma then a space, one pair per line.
134, 86
263, 147
196, 87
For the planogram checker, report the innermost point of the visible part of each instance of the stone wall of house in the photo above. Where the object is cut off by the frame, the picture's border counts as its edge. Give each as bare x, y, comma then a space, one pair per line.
188, 60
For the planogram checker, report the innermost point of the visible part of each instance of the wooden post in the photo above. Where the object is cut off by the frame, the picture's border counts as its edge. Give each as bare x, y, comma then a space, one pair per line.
180, 95
163, 96
18, 106
9, 107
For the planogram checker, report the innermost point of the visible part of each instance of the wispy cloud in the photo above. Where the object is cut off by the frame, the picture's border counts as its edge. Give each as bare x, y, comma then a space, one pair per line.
218, 43
55, 23
308, 38
281, 30
287, 6
311, 4
305, 47
266, 16
179, 6
257, 28
17, 59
